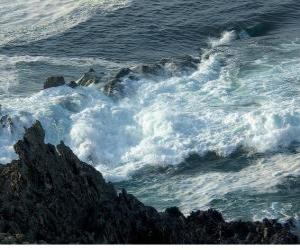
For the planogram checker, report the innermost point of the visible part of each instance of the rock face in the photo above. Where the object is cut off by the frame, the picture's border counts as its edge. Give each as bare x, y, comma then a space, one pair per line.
54, 81
50, 196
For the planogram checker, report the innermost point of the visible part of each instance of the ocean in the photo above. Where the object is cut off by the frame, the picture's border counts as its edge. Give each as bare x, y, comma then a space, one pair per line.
225, 135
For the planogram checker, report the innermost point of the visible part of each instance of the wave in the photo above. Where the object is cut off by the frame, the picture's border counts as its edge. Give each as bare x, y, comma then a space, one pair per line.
225, 103
30, 20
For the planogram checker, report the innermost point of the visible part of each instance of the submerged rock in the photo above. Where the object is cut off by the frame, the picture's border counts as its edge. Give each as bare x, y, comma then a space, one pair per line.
54, 81
50, 196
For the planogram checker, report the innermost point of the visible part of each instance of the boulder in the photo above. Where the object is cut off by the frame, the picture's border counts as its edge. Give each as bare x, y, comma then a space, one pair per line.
54, 81
88, 78
114, 88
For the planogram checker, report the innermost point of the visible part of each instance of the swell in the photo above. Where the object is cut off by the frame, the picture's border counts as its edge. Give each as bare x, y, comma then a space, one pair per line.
26, 21
278, 17
152, 26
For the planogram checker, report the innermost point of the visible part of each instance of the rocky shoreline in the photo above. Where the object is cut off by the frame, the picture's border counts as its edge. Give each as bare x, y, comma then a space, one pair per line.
50, 196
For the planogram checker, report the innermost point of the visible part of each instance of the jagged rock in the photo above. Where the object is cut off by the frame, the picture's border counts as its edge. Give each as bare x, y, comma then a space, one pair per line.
181, 65
114, 88
88, 78
50, 196
6, 121
54, 81
165, 68
72, 84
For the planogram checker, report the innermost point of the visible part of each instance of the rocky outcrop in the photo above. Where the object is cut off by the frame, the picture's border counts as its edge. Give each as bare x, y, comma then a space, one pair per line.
5, 120
50, 196
88, 78
54, 81
165, 68
114, 87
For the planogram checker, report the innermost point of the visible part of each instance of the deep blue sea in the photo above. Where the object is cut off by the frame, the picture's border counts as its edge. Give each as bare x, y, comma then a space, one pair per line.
226, 135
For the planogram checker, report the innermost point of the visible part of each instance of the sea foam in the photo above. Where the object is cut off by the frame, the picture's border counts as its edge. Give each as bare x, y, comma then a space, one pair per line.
223, 105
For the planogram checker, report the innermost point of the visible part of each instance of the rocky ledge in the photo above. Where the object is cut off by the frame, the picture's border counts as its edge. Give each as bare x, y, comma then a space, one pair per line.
50, 196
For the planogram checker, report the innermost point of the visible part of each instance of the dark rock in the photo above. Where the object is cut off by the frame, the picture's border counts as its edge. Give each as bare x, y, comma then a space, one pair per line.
181, 65
88, 78
72, 84
6, 121
50, 196
54, 81
114, 88
155, 69
163, 69
173, 212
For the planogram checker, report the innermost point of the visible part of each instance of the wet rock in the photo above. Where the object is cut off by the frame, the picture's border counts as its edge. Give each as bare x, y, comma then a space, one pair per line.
50, 196
181, 65
146, 70
163, 69
6, 121
72, 84
114, 88
88, 78
54, 81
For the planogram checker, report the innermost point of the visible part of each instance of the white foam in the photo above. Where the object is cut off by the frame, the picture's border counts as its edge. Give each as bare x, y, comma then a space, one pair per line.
218, 108
226, 38
29, 20
197, 191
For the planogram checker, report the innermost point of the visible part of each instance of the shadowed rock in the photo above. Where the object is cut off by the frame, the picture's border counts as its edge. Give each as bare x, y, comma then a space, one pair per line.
163, 69
49, 195
114, 88
54, 81
88, 78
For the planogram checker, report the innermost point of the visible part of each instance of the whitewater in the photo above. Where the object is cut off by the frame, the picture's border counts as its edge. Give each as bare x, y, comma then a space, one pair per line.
209, 110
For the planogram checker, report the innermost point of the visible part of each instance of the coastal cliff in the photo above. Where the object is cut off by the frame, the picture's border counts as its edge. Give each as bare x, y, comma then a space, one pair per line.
50, 196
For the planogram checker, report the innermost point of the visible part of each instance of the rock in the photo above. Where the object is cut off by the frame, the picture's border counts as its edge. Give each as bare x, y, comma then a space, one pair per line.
88, 78
72, 84
146, 70
6, 121
20, 237
50, 196
54, 81
114, 88
163, 69
181, 65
